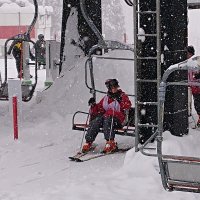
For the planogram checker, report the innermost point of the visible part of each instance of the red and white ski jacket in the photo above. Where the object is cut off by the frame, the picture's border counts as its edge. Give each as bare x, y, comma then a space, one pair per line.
191, 78
110, 107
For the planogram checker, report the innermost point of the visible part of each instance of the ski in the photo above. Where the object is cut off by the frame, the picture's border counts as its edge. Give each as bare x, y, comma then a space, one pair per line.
81, 154
77, 156
92, 155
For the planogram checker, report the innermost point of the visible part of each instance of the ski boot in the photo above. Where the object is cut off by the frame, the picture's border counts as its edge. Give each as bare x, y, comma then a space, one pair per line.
87, 147
111, 146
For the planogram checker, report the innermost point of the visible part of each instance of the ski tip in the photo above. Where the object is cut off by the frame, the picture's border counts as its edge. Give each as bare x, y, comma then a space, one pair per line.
72, 158
75, 159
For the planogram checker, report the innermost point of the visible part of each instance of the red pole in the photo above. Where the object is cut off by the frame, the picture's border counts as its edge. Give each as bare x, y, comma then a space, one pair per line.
15, 122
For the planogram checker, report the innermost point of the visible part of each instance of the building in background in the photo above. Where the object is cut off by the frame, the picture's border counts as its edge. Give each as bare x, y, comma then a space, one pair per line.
16, 18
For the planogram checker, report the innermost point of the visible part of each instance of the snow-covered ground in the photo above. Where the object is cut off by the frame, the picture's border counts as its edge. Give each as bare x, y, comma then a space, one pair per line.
36, 166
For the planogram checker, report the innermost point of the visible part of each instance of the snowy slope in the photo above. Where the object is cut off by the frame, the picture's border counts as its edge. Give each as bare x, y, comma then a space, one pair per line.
36, 166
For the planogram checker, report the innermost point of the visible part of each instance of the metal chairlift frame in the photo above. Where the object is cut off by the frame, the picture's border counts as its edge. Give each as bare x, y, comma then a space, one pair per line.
170, 180
193, 4
171, 165
20, 38
129, 2
126, 130
102, 44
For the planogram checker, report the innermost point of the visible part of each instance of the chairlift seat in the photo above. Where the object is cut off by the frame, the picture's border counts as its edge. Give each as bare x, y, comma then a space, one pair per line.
182, 173
125, 131
26, 91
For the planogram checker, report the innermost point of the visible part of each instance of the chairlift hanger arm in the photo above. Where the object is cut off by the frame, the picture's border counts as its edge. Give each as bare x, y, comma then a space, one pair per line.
90, 23
112, 58
93, 89
166, 160
129, 2
34, 19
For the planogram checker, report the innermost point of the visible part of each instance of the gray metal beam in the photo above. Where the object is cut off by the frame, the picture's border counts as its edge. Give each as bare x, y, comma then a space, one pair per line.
193, 4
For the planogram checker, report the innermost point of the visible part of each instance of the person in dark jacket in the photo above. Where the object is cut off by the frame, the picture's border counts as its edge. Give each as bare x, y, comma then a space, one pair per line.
109, 114
194, 76
40, 47
16, 49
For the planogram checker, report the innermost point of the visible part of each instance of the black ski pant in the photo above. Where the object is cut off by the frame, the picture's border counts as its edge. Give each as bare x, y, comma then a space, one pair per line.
18, 62
104, 123
196, 98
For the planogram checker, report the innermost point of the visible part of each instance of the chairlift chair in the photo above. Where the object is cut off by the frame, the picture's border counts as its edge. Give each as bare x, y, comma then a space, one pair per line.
127, 130
27, 90
178, 173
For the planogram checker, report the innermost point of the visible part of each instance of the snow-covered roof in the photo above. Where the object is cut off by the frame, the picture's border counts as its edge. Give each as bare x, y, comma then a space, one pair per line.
23, 6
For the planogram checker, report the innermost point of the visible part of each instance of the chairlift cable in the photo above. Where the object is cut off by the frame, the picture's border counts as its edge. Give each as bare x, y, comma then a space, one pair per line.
34, 19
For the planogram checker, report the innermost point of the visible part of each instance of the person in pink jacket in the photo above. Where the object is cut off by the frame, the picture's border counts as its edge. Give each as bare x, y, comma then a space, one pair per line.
109, 114
194, 76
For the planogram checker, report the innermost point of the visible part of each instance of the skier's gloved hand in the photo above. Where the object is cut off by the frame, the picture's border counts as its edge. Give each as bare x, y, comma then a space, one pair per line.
91, 101
197, 76
117, 97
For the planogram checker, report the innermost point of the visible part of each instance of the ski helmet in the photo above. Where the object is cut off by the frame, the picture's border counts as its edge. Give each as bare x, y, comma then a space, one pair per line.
111, 83
40, 36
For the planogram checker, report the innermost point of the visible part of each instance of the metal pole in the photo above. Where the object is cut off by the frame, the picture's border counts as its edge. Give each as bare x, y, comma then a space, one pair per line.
158, 32
135, 30
87, 120
90, 23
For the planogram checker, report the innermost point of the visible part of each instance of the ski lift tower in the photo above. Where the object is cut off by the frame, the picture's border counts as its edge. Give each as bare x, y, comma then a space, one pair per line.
163, 24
